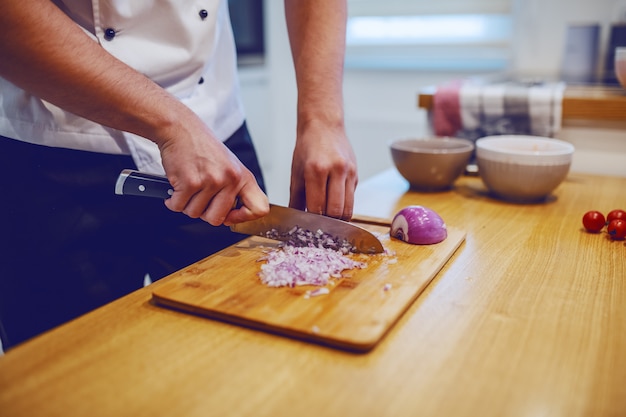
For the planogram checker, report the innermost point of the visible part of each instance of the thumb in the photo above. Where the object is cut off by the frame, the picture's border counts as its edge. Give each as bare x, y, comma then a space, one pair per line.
252, 204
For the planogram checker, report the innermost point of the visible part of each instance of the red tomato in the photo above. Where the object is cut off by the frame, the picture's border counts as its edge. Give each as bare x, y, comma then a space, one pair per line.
617, 229
616, 214
593, 221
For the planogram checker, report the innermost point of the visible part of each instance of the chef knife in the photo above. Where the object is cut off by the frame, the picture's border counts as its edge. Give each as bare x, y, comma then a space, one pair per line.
276, 224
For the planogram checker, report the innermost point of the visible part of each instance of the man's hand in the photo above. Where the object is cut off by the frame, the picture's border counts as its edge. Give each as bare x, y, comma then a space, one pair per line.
208, 179
323, 172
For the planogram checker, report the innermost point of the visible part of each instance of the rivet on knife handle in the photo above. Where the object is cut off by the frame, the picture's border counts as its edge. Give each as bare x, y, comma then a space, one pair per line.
131, 182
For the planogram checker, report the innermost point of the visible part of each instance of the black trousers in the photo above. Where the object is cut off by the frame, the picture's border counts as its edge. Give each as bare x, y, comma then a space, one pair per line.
69, 244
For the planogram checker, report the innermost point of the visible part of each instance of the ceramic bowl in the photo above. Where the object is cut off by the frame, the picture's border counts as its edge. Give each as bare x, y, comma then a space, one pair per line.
431, 164
523, 168
620, 65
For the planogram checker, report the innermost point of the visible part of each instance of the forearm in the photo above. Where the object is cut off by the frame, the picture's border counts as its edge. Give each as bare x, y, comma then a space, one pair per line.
323, 171
317, 37
47, 54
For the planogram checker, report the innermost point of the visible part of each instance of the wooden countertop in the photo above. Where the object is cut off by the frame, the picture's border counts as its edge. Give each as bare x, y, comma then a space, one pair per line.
527, 318
599, 103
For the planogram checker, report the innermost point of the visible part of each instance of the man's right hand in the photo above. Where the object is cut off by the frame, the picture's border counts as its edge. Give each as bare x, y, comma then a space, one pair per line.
208, 179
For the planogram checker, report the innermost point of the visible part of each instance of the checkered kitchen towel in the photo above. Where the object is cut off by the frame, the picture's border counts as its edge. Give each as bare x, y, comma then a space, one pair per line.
471, 110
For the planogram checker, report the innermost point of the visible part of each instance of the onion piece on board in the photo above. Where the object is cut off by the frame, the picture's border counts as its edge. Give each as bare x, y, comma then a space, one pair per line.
418, 225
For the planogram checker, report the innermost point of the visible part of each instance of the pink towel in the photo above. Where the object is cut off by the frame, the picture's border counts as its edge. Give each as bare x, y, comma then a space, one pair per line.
446, 111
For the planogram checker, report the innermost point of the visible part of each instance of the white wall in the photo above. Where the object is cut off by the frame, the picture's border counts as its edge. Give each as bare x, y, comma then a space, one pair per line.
269, 94
382, 105
541, 27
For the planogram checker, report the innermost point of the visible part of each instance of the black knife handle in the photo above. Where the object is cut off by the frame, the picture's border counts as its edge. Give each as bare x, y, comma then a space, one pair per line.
131, 182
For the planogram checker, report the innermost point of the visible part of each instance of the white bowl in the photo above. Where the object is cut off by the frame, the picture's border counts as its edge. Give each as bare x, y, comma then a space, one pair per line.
523, 168
431, 164
620, 65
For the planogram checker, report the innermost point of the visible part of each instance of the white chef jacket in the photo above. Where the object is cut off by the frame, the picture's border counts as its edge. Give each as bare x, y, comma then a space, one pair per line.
186, 47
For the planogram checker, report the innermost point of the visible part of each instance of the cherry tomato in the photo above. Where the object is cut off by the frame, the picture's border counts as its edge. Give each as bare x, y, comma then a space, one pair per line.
616, 214
593, 221
617, 229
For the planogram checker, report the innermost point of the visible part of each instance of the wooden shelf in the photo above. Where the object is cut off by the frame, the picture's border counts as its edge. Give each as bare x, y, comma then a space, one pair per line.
598, 103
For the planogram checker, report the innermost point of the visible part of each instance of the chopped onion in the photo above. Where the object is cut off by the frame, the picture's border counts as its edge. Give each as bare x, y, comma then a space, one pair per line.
306, 258
418, 225
316, 292
300, 237
292, 266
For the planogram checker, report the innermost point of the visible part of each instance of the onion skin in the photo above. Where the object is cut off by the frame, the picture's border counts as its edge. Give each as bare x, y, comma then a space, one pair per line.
418, 225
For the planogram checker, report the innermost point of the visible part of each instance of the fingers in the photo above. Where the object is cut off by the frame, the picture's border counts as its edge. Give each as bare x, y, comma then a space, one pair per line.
297, 194
339, 196
204, 205
220, 210
198, 198
327, 190
253, 205
213, 201
191, 197
316, 191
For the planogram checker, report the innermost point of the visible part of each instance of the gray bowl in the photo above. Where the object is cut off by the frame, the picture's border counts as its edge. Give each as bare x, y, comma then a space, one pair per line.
431, 164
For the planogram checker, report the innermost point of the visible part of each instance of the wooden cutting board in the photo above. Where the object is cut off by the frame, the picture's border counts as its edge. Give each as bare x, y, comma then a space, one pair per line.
355, 315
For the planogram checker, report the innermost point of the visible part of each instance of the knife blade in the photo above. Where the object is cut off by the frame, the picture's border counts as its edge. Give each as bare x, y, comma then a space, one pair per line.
276, 225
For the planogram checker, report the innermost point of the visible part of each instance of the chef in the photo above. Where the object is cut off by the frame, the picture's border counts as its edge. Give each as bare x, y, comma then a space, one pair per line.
88, 88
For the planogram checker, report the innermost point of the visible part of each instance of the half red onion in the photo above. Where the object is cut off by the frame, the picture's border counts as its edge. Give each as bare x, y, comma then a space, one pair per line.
418, 225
